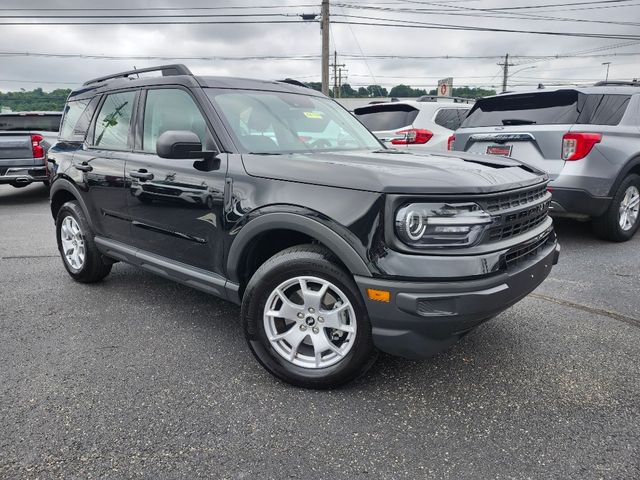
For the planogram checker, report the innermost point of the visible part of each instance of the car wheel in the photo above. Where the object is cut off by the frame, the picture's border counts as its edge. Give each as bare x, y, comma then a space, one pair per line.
79, 254
620, 221
305, 320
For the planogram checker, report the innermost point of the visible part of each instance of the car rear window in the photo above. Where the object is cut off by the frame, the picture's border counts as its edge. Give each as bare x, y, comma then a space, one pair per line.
548, 108
30, 122
386, 117
451, 118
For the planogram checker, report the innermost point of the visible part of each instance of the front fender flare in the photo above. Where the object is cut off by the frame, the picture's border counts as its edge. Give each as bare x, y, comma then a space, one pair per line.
62, 184
299, 223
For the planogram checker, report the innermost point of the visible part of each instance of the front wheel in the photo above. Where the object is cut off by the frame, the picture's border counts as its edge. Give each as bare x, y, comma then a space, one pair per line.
620, 221
305, 320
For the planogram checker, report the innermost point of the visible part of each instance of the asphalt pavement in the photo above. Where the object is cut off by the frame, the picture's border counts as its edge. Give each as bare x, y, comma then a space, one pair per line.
139, 377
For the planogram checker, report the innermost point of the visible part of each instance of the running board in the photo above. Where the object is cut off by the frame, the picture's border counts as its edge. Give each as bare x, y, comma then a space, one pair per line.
186, 274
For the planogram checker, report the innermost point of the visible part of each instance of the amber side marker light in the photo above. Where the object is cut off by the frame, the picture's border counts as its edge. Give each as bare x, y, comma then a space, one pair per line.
378, 295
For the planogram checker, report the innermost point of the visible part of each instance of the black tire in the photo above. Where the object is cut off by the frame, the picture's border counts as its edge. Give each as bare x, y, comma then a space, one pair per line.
607, 225
95, 266
19, 185
314, 261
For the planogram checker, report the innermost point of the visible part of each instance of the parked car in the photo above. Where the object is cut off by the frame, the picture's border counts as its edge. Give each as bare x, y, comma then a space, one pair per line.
586, 139
25, 138
423, 124
334, 246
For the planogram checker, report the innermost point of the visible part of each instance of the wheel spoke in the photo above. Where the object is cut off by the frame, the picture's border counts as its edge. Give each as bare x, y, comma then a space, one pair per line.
288, 309
332, 319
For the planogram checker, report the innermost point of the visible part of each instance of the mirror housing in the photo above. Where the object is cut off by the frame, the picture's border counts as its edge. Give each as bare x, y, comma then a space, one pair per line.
181, 145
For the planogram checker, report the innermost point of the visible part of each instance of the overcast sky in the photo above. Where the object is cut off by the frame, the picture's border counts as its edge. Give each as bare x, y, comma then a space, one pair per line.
303, 38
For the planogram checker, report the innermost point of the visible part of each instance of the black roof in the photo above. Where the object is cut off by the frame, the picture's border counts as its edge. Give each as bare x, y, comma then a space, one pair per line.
177, 74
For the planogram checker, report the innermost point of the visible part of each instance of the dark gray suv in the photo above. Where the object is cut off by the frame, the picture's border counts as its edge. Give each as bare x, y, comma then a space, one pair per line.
586, 139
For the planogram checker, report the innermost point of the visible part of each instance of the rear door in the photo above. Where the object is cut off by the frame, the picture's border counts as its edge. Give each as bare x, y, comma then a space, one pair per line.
176, 206
386, 119
101, 164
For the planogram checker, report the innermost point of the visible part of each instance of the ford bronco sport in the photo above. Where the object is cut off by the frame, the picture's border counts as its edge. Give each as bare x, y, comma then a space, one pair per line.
272, 196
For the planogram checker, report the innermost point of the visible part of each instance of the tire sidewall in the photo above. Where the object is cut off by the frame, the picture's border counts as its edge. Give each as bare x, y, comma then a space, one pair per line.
260, 288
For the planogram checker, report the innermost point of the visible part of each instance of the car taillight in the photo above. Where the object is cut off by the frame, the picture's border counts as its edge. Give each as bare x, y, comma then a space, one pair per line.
578, 145
412, 136
450, 140
36, 148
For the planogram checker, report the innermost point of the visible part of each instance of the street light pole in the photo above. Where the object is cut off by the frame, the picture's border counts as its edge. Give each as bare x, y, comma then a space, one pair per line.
324, 25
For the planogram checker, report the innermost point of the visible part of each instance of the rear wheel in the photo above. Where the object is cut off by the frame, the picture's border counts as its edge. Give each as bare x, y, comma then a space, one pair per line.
79, 254
305, 321
620, 221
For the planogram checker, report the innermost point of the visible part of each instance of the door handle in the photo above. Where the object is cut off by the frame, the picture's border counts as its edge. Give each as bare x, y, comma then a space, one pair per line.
142, 174
83, 167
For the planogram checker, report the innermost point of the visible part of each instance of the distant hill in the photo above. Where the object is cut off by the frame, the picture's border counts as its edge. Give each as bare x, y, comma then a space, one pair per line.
34, 100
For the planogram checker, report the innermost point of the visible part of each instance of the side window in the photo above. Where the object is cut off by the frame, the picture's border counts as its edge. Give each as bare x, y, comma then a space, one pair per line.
170, 109
76, 119
114, 120
450, 118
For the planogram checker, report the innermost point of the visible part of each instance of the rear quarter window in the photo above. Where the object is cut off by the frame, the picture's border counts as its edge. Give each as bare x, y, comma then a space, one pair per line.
76, 119
386, 117
451, 118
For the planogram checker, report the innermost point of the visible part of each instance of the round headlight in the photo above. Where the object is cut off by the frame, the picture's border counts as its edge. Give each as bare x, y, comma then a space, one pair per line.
415, 225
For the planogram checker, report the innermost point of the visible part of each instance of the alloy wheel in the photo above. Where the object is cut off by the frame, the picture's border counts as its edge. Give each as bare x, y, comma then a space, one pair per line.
629, 208
73, 246
310, 322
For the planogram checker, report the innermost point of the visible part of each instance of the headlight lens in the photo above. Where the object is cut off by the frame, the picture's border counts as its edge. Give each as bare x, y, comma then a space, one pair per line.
431, 225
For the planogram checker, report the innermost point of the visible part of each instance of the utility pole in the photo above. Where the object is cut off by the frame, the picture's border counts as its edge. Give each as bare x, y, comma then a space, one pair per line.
606, 79
335, 66
324, 25
505, 72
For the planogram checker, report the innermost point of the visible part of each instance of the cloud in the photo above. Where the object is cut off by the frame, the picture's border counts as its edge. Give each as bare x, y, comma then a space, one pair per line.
304, 38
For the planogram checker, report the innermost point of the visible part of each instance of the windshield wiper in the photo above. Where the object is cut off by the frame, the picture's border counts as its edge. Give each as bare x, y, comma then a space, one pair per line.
264, 153
517, 121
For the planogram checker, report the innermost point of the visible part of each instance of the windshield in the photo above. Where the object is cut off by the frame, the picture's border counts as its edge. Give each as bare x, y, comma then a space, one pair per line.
30, 122
277, 122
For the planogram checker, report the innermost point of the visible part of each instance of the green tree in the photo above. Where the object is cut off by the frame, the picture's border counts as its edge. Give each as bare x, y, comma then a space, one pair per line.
35, 99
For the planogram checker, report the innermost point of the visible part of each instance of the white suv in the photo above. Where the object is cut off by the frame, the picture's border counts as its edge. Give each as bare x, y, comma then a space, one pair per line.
424, 123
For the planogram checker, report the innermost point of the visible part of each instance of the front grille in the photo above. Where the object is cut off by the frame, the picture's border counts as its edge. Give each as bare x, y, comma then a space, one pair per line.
515, 213
522, 253
512, 200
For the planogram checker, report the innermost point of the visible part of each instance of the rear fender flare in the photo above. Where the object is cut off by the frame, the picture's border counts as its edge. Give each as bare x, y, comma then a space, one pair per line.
64, 185
630, 165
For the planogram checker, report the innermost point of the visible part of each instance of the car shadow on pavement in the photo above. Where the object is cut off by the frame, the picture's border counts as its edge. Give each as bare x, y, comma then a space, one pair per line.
19, 196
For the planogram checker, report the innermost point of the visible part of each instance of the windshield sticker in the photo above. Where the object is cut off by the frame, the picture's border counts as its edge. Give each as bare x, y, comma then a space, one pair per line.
316, 115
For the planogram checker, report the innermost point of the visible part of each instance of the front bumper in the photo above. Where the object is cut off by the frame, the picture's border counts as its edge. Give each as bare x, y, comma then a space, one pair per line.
24, 175
423, 318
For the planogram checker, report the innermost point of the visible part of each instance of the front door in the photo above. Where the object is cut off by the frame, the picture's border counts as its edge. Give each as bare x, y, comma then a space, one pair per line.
175, 205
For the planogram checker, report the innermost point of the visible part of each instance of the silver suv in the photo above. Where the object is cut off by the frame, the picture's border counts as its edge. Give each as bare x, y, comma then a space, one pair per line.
587, 139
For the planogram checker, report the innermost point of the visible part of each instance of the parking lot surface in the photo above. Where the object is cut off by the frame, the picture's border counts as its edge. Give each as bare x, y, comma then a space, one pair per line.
141, 377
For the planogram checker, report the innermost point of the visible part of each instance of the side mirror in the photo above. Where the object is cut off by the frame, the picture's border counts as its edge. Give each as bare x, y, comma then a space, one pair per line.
181, 145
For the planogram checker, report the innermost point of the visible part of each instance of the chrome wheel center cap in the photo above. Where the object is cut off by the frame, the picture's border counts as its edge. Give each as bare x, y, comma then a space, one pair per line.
310, 321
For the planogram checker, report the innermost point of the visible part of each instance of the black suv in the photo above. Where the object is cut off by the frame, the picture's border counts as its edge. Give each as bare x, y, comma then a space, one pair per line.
272, 196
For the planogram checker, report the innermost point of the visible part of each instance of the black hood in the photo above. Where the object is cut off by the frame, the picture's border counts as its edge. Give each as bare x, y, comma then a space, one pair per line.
391, 171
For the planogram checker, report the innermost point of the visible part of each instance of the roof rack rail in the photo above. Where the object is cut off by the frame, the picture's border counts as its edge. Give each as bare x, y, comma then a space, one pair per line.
618, 83
293, 81
436, 98
167, 71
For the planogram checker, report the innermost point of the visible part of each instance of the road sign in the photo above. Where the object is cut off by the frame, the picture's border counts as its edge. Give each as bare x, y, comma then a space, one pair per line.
445, 87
